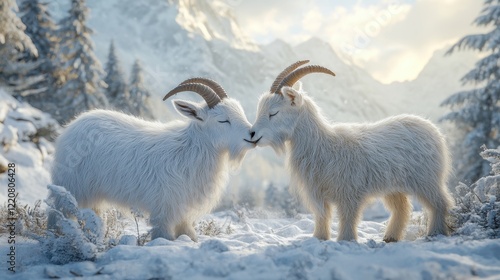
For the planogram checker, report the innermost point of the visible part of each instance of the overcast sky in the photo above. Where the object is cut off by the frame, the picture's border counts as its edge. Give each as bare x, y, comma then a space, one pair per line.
392, 40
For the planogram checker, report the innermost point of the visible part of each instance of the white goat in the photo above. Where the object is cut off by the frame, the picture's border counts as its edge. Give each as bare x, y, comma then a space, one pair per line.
175, 171
347, 164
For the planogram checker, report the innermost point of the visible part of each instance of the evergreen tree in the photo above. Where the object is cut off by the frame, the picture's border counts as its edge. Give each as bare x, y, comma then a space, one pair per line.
41, 28
476, 112
117, 91
13, 41
139, 94
80, 86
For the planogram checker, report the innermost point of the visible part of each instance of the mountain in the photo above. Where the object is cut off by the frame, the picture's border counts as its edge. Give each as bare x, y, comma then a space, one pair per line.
184, 38
439, 79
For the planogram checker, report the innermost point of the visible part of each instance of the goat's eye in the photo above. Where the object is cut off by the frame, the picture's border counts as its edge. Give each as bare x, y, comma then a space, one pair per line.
272, 115
226, 121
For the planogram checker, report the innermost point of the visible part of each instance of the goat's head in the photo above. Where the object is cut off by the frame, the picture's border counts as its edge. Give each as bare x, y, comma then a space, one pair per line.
278, 111
220, 118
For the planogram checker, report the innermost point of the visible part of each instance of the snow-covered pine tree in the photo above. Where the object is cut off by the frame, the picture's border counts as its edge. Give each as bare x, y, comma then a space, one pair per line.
476, 112
80, 86
139, 94
477, 210
13, 42
40, 27
117, 91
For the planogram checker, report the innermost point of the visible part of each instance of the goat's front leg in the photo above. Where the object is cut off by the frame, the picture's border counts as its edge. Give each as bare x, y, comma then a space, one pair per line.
322, 220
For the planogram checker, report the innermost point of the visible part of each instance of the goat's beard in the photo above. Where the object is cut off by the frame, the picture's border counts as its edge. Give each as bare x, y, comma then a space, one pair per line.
278, 143
236, 156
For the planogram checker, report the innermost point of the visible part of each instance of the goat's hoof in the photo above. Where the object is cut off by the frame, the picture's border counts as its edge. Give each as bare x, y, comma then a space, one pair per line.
322, 237
390, 239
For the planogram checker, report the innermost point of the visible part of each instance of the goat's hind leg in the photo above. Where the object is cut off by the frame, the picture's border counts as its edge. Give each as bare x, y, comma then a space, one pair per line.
437, 204
162, 228
400, 207
187, 229
349, 214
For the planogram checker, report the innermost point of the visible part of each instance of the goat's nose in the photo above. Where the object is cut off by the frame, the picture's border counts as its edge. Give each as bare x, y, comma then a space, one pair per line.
252, 133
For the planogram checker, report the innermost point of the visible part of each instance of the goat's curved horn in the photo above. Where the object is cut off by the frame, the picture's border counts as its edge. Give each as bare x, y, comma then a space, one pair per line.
284, 73
204, 91
296, 75
210, 83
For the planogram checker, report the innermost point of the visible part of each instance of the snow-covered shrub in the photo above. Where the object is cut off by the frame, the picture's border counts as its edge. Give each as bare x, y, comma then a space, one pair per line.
477, 210
212, 228
73, 239
29, 220
114, 226
144, 237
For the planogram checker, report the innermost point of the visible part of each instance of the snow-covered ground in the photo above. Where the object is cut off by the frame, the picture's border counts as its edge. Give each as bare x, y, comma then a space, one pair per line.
263, 247
22, 142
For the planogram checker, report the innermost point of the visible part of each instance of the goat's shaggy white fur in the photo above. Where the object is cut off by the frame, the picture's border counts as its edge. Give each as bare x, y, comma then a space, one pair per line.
347, 164
175, 171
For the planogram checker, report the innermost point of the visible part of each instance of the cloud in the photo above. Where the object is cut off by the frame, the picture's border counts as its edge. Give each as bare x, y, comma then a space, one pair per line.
313, 20
406, 46
266, 21
391, 40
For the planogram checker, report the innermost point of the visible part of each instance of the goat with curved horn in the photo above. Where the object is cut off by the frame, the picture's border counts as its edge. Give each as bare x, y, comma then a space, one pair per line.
219, 90
284, 73
204, 91
296, 75
184, 164
346, 164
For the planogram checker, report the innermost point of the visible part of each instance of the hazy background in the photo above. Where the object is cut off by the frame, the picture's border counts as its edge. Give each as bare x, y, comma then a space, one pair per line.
402, 35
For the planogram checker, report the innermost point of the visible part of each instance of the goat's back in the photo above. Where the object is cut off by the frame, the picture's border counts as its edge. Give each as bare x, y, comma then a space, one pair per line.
101, 152
404, 152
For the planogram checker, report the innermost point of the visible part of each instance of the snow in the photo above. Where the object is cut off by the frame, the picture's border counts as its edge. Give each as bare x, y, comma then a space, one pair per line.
277, 248
19, 123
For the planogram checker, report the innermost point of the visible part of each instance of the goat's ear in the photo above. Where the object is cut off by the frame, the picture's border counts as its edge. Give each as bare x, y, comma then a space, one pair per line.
189, 110
294, 96
298, 86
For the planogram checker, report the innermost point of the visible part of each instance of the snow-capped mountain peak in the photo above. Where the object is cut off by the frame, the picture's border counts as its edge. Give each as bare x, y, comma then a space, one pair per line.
212, 20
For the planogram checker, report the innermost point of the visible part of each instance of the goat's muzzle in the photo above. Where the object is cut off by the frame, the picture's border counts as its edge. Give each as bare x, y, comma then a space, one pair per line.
253, 142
